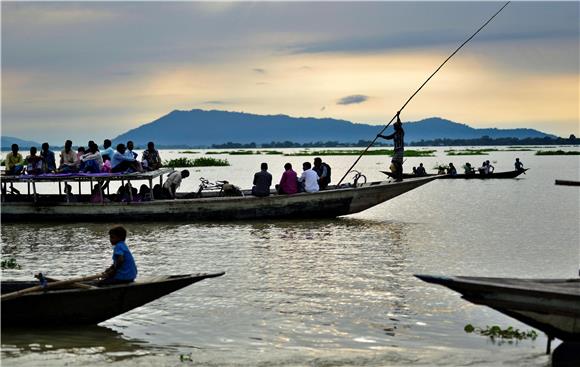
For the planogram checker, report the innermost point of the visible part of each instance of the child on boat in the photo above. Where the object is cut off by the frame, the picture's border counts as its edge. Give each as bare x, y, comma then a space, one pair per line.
123, 269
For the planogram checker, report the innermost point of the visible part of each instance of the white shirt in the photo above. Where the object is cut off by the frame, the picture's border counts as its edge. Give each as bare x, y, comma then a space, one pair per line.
173, 179
310, 179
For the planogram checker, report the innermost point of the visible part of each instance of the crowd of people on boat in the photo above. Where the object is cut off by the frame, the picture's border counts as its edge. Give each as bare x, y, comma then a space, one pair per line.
84, 160
314, 177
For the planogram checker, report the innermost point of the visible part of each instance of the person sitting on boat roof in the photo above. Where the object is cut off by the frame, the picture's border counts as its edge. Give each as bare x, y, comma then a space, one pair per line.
309, 179
421, 170
262, 181
68, 159
107, 149
289, 182
452, 170
92, 161
130, 152
399, 148
469, 170
173, 182
33, 163
121, 162
519, 165
14, 161
48, 160
150, 158
124, 269
323, 171
106, 164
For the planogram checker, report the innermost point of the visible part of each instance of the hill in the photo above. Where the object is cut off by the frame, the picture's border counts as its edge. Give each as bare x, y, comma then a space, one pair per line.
7, 141
204, 128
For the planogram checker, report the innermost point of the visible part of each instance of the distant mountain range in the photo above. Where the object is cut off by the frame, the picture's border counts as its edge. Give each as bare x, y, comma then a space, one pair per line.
199, 128
204, 128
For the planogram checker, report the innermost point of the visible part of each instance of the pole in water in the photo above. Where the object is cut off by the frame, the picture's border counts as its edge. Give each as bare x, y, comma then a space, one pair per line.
421, 87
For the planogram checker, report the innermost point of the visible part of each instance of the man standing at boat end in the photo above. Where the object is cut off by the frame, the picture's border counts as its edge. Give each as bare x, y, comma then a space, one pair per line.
399, 147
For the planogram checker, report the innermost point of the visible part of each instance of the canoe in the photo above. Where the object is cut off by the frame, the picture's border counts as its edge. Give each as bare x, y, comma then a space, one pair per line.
329, 203
567, 183
550, 305
74, 306
506, 174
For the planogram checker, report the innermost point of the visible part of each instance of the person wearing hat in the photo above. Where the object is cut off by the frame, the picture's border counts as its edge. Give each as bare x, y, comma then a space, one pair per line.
399, 149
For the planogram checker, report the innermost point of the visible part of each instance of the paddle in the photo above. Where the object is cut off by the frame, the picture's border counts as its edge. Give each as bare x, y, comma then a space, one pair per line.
37, 288
41, 277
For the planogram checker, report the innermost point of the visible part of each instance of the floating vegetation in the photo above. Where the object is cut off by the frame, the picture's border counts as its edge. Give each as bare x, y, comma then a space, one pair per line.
389, 152
185, 358
469, 151
198, 162
10, 264
2, 162
189, 152
245, 152
496, 332
557, 152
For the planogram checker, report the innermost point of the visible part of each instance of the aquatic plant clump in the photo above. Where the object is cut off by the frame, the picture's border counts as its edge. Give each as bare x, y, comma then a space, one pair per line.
454, 152
10, 264
387, 152
495, 331
198, 162
557, 152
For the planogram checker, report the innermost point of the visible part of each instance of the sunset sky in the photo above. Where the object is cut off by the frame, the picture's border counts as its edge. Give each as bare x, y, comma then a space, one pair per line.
94, 70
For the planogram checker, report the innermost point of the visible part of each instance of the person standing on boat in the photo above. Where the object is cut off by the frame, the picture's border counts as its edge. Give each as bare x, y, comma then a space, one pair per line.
323, 171
309, 179
173, 182
151, 159
14, 161
519, 165
123, 269
399, 147
48, 160
262, 182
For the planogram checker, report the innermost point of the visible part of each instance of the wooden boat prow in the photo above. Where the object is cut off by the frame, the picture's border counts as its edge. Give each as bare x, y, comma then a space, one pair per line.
551, 305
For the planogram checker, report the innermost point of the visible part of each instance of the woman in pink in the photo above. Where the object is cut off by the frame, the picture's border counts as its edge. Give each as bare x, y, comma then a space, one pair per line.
289, 181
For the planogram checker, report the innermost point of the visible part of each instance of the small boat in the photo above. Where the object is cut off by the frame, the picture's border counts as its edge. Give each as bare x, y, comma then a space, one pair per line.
208, 205
550, 305
506, 174
85, 306
567, 183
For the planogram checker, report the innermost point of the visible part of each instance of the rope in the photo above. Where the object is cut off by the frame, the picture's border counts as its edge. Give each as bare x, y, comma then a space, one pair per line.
421, 87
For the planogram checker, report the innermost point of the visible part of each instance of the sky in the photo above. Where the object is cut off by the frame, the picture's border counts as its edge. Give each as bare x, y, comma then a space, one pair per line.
95, 70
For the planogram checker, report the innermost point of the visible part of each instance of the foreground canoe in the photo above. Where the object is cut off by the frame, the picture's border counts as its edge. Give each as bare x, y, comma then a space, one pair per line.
550, 305
329, 203
567, 183
506, 174
74, 306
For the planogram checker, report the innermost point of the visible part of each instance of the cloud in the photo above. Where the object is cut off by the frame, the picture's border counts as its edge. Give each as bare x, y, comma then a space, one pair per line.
215, 102
259, 70
354, 99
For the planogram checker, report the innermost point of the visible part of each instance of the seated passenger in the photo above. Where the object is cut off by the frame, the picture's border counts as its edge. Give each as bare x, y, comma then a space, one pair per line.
68, 159
421, 170
468, 169
308, 179
130, 152
144, 193
98, 194
415, 171
452, 170
151, 158
323, 171
14, 161
289, 181
92, 161
123, 269
121, 162
106, 164
483, 170
48, 160
173, 182
33, 163
490, 168
262, 182
107, 149
68, 195
519, 165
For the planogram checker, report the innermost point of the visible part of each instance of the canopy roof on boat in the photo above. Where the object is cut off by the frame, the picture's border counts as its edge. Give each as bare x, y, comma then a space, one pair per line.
80, 177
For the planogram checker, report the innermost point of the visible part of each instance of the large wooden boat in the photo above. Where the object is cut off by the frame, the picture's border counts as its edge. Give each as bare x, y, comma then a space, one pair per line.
74, 306
550, 305
506, 174
211, 205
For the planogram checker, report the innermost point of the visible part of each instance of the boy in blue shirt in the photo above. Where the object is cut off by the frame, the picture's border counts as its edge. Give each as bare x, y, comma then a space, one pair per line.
123, 269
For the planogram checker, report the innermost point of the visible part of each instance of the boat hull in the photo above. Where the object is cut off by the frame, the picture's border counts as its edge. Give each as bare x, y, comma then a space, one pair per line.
323, 204
550, 305
87, 306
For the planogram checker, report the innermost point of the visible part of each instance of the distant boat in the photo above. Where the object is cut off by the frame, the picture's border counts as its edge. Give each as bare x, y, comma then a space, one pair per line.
567, 183
550, 305
212, 205
74, 306
506, 174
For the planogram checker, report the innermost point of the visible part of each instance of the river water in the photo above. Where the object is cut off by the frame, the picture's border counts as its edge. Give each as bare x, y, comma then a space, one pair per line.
335, 292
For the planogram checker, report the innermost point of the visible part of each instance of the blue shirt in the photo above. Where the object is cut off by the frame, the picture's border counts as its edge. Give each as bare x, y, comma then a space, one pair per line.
117, 158
109, 151
128, 270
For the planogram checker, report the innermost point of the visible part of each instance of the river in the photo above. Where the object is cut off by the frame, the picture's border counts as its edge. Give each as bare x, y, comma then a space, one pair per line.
318, 293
